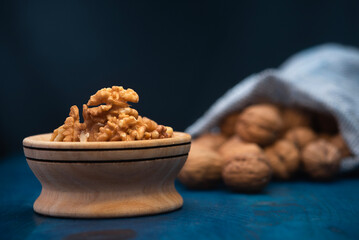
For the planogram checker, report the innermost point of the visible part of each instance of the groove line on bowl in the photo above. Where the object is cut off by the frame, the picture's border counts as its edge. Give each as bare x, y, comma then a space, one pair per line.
104, 149
106, 161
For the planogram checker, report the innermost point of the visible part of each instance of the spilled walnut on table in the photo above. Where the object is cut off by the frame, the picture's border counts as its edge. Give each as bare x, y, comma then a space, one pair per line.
247, 173
203, 168
108, 117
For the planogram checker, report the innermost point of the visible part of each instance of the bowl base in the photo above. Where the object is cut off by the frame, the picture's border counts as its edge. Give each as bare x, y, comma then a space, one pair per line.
100, 205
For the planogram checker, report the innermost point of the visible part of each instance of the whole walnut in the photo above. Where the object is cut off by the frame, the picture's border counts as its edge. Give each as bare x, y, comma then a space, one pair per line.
340, 143
247, 173
284, 158
295, 117
227, 125
242, 148
300, 136
202, 169
260, 124
321, 160
211, 140
230, 144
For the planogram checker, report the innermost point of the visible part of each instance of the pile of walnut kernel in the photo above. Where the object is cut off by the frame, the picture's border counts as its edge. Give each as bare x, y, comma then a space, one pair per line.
264, 141
108, 117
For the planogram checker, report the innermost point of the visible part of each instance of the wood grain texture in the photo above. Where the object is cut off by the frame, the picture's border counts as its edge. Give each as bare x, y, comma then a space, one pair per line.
109, 180
43, 141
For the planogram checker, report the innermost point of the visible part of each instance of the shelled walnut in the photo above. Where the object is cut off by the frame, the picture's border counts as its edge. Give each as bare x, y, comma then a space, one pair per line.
108, 117
321, 160
247, 173
202, 169
261, 124
284, 158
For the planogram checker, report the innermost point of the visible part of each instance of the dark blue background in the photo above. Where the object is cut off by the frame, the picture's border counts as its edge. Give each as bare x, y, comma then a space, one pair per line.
180, 56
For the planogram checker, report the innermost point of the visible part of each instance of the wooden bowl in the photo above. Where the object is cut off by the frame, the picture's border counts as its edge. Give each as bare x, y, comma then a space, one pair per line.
107, 179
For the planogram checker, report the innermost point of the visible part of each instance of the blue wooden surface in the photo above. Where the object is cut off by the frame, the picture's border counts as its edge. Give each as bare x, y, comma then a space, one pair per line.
292, 210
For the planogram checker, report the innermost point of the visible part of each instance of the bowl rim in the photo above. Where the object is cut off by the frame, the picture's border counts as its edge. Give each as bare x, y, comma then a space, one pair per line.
42, 142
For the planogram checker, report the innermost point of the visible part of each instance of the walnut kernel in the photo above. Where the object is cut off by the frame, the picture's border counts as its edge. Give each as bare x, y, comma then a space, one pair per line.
110, 119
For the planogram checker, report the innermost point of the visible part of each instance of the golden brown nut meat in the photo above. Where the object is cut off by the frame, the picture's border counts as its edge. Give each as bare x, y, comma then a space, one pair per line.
247, 173
259, 124
117, 96
210, 140
228, 124
321, 160
340, 143
294, 117
284, 158
70, 130
202, 169
110, 119
300, 136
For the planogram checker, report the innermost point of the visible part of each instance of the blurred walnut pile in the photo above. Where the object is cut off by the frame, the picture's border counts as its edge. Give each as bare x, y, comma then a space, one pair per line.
265, 141
108, 117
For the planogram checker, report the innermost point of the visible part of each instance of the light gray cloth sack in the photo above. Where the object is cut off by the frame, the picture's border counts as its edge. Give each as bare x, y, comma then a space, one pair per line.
324, 78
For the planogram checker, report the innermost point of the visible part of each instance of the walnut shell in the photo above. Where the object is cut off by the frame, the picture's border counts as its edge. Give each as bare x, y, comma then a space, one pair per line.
230, 144
295, 117
260, 124
210, 140
321, 160
284, 158
247, 173
227, 125
231, 150
202, 169
300, 136
340, 143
